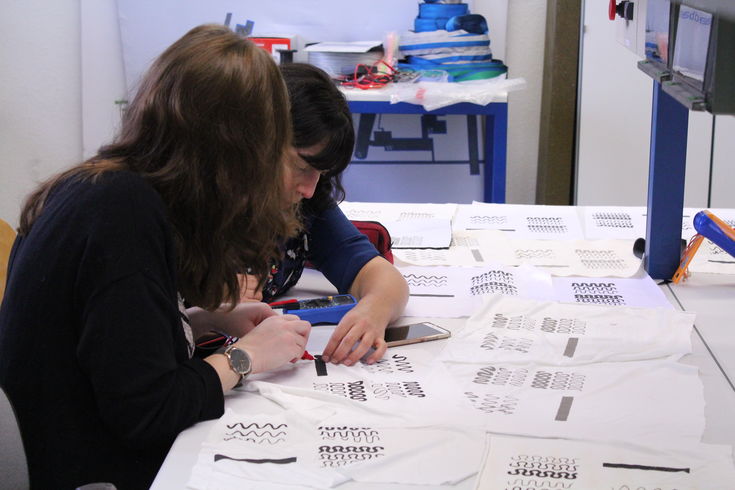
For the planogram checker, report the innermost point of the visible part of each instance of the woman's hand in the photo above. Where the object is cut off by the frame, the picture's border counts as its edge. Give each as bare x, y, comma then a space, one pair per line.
235, 323
359, 327
249, 290
383, 294
277, 340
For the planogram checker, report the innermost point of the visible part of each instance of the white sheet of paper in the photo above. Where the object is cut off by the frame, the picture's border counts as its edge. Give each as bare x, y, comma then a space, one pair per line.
411, 225
517, 462
639, 291
384, 212
521, 331
425, 233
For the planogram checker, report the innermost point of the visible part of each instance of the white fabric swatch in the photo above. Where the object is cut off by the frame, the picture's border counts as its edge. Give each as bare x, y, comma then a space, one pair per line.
408, 383
515, 330
455, 291
657, 400
640, 291
516, 462
298, 450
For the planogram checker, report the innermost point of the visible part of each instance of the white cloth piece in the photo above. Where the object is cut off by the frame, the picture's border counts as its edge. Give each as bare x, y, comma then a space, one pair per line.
614, 222
659, 400
639, 291
523, 221
712, 259
599, 258
277, 449
521, 331
516, 462
321, 447
454, 291
408, 383
469, 248
486, 216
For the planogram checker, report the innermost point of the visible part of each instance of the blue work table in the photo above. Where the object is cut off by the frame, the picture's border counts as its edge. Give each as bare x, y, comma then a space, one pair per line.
496, 131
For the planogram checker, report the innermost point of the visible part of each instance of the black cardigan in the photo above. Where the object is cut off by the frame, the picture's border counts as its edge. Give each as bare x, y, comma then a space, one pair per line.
92, 351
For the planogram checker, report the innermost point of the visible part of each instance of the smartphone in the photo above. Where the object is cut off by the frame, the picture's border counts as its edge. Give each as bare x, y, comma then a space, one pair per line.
414, 333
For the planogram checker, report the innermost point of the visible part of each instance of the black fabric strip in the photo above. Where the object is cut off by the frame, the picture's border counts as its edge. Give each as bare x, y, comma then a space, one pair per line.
218, 457
321, 366
643, 467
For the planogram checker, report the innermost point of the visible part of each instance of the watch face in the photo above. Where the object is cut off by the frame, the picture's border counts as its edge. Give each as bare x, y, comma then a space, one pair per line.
240, 361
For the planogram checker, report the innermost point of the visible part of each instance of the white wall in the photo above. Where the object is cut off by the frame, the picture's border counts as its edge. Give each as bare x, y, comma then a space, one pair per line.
615, 126
526, 32
103, 76
62, 71
40, 96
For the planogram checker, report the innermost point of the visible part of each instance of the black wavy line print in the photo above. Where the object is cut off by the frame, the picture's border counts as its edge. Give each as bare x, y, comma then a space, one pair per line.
256, 425
421, 280
544, 474
257, 434
544, 484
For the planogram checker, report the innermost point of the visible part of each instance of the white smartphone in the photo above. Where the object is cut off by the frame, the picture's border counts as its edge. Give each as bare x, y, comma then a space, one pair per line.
414, 333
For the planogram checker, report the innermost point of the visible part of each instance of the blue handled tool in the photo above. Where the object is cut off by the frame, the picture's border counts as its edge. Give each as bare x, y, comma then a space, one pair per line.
329, 309
713, 228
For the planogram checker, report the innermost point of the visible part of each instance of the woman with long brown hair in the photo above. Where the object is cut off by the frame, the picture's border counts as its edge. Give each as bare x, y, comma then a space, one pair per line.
95, 342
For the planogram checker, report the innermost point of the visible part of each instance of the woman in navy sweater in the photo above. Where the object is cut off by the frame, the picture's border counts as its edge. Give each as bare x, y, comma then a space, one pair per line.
323, 140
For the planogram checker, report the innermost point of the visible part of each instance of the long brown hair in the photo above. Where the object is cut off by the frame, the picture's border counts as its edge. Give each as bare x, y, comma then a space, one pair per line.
207, 128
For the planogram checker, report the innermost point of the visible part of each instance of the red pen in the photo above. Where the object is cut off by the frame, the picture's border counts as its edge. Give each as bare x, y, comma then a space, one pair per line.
306, 356
280, 304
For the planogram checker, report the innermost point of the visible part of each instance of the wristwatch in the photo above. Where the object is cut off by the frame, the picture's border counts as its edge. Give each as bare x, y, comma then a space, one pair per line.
239, 360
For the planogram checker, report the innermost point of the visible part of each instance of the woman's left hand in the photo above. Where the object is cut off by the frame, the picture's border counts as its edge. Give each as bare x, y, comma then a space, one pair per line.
356, 333
236, 323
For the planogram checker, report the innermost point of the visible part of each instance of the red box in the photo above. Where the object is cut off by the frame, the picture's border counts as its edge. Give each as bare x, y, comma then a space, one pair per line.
272, 44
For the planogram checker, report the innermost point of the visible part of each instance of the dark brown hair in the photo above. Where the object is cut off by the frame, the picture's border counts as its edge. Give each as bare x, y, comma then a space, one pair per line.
207, 128
320, 114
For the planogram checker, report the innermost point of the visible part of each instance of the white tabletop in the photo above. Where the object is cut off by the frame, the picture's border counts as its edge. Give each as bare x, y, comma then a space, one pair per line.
714, 296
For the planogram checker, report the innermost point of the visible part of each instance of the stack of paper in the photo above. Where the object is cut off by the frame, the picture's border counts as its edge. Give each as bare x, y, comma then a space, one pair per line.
339, 59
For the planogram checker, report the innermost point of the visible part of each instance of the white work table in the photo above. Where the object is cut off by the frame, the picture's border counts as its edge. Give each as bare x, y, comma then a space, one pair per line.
711, 297
176, 469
